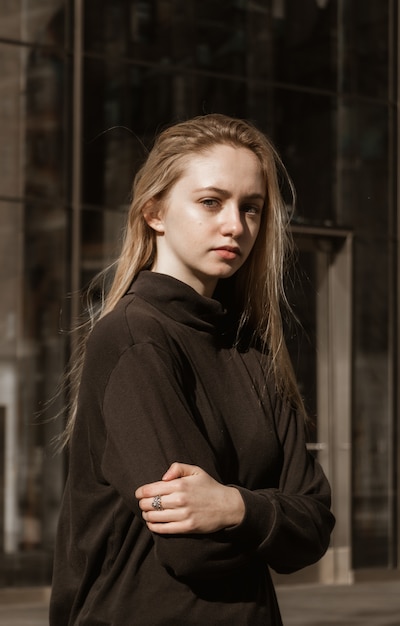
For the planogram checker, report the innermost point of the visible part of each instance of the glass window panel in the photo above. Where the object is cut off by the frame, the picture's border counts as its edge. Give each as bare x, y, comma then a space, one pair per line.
365, 48
305, 42
371, 402
220, 34
12, 121
108, 26
45, 131
210, 35
300, 330
32, 110
42, 349
260, 106
212, 95
141, 30
305, 134
34, 266
102, 232
363, 166
11, 252
123, 107
364, 202
260, 52
33, 21
32, 357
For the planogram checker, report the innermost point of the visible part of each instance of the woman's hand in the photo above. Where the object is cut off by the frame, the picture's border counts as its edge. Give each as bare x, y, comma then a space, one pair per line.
191, 501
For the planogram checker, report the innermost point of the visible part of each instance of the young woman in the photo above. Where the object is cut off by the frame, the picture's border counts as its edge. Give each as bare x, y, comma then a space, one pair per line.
188, 471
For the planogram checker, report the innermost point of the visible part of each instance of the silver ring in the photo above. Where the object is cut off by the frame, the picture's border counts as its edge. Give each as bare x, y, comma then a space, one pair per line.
157, 504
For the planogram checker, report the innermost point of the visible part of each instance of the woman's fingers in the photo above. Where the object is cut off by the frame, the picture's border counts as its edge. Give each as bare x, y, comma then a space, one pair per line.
160, 503
166, 515
179, 470
188, 500
152, 490
159, 496
170, 481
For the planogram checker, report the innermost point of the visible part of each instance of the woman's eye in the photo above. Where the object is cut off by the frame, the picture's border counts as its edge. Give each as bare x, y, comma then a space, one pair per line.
210, 202
251, 209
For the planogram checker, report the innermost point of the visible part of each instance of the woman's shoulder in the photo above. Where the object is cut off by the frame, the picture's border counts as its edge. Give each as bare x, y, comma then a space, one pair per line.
128, 334
132, 321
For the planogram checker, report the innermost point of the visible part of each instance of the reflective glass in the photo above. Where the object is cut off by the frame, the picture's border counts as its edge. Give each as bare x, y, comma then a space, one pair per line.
12, 120
102, 232
212, 95
33, 273
44, 341
33, 21
124, 105
371, 407
364, 202
305, 33
304, 131
363, 160
112, 26
364, 48
301, 329
10, 254
33, 233
141, 30
221, 36
208, 35
32, 146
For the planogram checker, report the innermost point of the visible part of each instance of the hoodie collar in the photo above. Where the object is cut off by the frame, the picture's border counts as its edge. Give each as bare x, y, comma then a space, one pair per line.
179, 301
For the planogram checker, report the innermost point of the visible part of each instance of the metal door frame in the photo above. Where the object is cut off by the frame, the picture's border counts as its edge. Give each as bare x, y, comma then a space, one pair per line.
333, 248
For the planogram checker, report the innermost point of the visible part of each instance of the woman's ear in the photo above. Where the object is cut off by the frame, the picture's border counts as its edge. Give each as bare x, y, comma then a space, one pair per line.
153, 215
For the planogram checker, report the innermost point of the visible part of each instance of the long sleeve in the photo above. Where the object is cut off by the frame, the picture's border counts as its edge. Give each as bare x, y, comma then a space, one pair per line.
149, 425
291, 524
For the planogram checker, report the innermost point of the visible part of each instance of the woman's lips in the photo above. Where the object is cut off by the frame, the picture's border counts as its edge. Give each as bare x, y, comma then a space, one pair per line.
228, 252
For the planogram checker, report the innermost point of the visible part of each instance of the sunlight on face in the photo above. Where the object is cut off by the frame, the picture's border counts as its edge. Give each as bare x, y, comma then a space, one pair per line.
211, 217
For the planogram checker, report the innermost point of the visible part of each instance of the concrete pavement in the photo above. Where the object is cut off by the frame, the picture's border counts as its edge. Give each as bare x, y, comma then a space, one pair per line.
360, 604
24, 607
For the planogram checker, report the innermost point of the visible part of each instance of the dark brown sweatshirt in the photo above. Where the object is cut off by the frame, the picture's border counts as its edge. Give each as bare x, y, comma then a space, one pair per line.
163, 382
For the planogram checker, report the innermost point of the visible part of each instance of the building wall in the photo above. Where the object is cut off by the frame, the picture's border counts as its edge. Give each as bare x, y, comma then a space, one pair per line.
318, 75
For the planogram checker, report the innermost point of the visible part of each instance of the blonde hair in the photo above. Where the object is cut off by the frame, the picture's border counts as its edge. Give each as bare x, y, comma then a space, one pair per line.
259, 284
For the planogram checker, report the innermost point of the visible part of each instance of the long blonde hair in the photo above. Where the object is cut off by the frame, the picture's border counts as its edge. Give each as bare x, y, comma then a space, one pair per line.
259, 283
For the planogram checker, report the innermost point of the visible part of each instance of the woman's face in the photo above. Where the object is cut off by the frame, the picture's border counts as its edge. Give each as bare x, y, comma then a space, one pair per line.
210, 219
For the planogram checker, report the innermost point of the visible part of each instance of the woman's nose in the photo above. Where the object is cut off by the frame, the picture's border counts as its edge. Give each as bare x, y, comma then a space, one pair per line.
232, 221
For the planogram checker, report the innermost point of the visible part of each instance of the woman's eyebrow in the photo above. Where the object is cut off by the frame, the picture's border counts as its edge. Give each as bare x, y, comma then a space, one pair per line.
222, 192
227, 194
254, 196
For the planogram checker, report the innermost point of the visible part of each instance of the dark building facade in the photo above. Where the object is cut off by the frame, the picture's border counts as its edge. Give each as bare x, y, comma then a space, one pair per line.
84, 87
